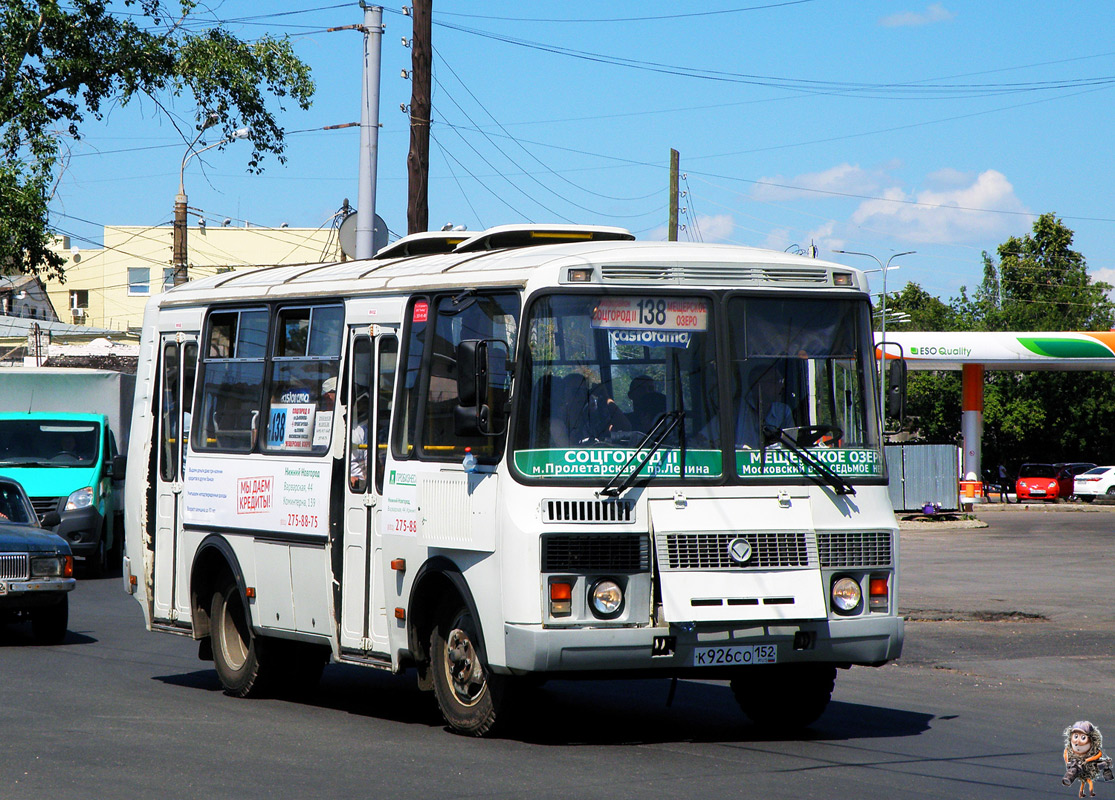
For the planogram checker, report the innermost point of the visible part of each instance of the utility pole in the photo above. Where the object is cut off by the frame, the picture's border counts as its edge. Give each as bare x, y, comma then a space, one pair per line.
369, 131
675, 158
418, 160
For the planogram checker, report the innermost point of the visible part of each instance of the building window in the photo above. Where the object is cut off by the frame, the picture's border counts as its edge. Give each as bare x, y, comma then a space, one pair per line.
139, 280
168, 278
79, 305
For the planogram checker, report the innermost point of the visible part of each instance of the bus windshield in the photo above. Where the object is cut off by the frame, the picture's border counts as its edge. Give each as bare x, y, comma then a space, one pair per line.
610, 381
603, 371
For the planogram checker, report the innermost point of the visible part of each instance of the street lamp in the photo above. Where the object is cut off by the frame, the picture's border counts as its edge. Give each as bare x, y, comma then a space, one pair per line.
884, 268
179, 254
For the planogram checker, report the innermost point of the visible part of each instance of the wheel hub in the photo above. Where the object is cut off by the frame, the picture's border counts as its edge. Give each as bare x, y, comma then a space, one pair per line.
464, 666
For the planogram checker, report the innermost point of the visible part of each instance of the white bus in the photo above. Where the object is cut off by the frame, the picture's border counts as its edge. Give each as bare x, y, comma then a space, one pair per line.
535, 452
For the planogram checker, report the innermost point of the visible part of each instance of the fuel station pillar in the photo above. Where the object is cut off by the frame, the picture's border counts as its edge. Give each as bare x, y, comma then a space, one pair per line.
971, 426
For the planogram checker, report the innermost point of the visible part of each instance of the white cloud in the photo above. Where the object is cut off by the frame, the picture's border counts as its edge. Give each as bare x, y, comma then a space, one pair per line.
710, 228
933, 13
843, 179
1107, 275
714, 228
945, 216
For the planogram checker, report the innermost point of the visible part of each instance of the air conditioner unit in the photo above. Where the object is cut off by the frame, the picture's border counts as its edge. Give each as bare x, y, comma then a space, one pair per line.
79, 314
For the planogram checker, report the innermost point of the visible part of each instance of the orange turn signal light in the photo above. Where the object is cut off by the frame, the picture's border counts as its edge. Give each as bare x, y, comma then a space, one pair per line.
878, 592
400, 613
561, 599
399, 564
250, 592
68, 567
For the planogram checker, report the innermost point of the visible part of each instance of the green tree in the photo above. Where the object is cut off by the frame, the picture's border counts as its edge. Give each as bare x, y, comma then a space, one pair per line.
1038, 283
1042, 284
61, 64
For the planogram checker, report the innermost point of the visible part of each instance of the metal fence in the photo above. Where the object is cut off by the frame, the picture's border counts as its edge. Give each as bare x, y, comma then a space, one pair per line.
923, 473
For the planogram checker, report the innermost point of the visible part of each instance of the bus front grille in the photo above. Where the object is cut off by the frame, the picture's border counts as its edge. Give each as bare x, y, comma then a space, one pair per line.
15, 566
854, 549
711, 274
588, 511
688, 551
602, 552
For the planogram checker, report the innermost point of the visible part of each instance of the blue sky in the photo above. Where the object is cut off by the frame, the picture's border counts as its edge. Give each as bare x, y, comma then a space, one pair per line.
878, 126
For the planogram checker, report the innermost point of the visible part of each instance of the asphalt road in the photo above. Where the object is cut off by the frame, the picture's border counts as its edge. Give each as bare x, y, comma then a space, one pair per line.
1010, 640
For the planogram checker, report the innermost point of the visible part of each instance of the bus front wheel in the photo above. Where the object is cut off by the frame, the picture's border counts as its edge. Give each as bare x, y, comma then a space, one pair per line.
236, 649
784, 697
468, 694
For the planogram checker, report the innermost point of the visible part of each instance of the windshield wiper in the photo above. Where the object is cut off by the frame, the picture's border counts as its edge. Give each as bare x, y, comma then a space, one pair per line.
772, 433
663, 428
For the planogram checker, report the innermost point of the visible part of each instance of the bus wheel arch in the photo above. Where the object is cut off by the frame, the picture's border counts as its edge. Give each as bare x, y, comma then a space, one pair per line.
215, 565
447, 642
437, 582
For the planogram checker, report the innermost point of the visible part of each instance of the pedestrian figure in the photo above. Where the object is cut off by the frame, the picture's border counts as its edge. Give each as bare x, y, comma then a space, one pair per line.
1004, 484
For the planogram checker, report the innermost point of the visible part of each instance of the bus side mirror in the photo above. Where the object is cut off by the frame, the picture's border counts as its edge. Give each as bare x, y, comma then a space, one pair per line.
477, 393
472, 371
896, 389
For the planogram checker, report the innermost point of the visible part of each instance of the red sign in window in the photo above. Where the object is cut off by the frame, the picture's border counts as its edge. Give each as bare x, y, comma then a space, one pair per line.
421, 312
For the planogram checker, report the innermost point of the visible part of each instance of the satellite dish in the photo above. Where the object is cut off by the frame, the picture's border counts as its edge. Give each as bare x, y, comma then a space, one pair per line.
347, 235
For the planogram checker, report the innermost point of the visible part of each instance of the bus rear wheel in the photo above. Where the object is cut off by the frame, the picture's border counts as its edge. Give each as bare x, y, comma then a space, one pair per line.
237, 650
784, 697
468, 694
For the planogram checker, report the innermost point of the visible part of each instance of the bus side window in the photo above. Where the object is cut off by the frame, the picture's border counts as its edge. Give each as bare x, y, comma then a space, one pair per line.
492, 316
304, 369
385, 380
232, 380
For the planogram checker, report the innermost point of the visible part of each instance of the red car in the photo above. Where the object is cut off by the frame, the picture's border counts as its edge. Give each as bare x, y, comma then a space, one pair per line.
1038, 482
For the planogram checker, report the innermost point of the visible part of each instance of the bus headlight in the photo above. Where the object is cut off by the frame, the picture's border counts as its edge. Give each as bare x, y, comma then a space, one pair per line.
82, 498
846, 596
606, 599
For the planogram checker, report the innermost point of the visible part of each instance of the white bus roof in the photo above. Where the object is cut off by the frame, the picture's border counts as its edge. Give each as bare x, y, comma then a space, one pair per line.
612, 254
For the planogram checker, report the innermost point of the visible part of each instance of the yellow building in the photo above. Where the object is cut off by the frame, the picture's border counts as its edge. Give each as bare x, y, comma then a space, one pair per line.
108, 287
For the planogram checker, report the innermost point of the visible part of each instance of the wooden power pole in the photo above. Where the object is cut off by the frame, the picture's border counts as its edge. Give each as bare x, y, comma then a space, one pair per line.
675, 158
418, 160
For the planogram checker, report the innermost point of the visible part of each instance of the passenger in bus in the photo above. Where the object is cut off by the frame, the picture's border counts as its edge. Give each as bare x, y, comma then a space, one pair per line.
763, 405
328, 394
584, 415
358, 456
647, 403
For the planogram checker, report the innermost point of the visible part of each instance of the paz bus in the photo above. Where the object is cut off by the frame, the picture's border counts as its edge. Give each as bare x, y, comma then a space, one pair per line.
527, 453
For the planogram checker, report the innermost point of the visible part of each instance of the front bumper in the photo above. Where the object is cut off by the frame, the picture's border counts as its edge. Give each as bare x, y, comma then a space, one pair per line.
82, 529
35, 592
870, 640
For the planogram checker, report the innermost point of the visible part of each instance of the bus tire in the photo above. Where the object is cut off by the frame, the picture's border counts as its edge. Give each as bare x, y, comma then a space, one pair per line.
48, 624
468, 694
237, 651
786, 697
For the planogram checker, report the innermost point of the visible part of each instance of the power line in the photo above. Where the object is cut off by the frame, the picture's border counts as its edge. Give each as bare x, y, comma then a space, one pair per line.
592, 20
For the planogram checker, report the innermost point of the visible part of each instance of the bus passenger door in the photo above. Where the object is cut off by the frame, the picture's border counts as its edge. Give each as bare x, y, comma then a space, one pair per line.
178, 366
371, 382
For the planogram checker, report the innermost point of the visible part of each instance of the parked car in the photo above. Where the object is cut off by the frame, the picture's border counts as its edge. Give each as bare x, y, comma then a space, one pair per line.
1066, 476
36, 567
1037, 482
1095, 483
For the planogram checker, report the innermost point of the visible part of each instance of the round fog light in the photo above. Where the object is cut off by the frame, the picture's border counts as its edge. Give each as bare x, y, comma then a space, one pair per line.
846, 596
606, 599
